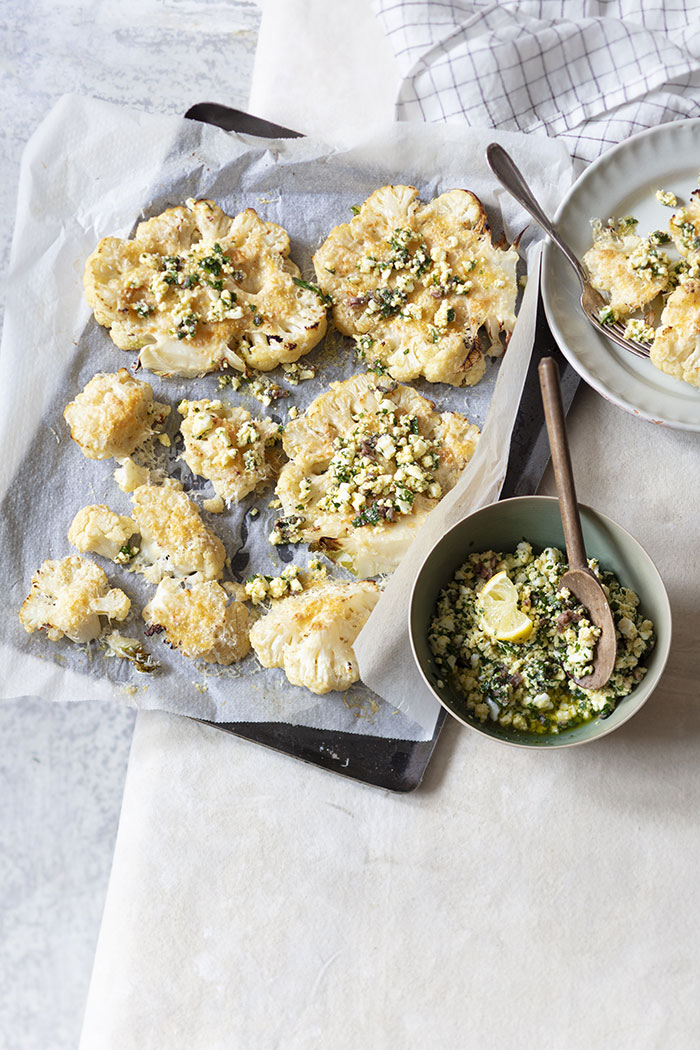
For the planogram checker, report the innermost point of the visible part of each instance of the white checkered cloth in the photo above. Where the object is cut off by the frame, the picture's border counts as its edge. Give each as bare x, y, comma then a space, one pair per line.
592, 72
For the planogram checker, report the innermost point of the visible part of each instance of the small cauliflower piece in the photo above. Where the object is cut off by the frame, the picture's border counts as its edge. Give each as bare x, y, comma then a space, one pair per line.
68, 597
310, 635
676, 346
631, 270
197, 620
99, 530
367, 465
113, 415
228, 447
129, 475
416, 283
196, 290
174, 539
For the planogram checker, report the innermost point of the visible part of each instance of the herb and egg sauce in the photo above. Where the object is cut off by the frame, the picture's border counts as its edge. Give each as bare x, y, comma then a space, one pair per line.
528, 684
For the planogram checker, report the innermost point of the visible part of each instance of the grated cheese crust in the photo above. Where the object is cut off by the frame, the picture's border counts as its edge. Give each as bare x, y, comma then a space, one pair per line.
367, 465
416, 283
310, 635
67, 597
676, 346
174, 539
113, 415
631, 269
228, 447
197, 620
196, 290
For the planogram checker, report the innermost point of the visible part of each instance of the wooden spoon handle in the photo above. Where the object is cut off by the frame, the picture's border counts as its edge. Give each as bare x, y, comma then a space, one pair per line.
561, 459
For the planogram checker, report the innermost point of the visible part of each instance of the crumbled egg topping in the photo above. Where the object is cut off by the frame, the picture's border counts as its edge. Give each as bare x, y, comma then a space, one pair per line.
378, 468
255, 384
638, 330
667, 198
260, 589
528, 685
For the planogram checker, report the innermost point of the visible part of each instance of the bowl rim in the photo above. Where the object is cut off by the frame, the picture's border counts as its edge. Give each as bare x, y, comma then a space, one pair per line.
554, 743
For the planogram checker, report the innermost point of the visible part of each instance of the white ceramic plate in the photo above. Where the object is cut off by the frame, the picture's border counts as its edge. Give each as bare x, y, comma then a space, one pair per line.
622, 182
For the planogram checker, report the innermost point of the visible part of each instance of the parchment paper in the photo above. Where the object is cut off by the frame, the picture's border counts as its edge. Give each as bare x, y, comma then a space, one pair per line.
93, 169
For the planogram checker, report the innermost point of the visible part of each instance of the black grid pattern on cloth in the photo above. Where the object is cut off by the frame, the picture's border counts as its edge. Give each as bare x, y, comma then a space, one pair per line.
591, 72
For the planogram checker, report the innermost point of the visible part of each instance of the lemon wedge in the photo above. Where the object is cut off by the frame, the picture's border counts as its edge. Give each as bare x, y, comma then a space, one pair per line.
499, 613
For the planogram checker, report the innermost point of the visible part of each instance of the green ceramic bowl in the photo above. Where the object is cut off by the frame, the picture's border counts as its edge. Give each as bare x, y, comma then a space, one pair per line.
500, 527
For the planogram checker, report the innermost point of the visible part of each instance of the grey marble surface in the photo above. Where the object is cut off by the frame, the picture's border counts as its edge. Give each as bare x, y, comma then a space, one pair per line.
62, 767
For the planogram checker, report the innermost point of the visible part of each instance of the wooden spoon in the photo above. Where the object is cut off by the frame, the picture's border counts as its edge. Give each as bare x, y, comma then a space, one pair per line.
579, 579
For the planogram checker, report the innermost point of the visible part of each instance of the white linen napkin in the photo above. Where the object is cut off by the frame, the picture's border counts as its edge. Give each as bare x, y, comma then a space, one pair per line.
591, 72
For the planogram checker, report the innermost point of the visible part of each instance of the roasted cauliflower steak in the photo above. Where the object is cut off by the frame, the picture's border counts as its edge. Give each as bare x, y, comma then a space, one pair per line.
224, 444
416, 283
676, 346
196, 290
311, 635
630, 269
174, 539
199, 620
367, 465
113, 415
67, 598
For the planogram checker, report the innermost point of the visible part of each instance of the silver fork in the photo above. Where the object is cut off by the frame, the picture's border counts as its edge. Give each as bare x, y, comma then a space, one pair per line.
592, 302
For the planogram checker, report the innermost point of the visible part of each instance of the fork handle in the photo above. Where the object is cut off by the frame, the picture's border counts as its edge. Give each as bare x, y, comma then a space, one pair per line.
561, 460
506, 171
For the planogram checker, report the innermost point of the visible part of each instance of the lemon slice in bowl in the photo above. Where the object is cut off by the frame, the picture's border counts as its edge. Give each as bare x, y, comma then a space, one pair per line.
499, 614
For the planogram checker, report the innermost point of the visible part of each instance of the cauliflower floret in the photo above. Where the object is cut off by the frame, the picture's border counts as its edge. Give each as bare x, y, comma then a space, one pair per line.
676, 346
226, 445
197, 620
310, 635
113, 415
174, 540
196, 290
416, 283
99, 530
68, 597
366, 469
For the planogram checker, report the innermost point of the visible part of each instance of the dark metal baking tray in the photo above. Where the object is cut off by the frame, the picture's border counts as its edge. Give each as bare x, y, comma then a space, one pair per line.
397, 765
